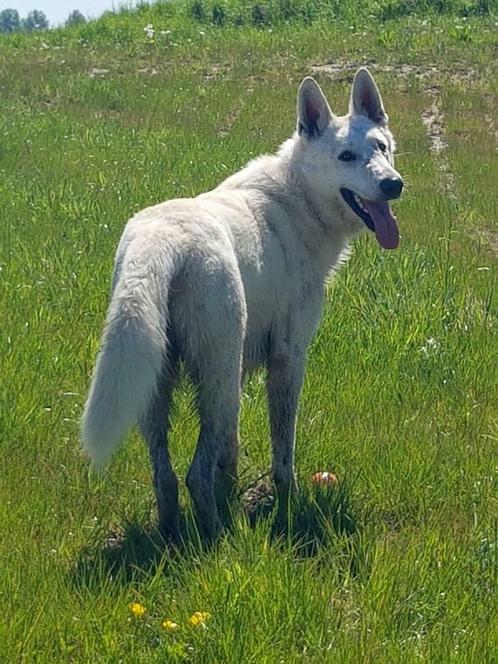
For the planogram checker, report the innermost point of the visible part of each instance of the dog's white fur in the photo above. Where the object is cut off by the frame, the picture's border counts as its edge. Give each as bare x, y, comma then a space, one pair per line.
228, 281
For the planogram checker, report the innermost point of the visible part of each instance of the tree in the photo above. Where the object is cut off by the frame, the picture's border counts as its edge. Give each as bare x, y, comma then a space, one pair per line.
75, 18
9, 21
35, 20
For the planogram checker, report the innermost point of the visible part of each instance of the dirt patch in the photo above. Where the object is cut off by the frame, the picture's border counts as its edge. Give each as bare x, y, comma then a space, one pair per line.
344, 70
258, 500
97, 72
488, 119
491, 238
148, 71
433, 119
217, 71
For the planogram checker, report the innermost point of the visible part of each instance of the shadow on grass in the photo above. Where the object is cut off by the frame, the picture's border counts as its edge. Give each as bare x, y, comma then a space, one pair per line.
118, 556
315, 516
320, 514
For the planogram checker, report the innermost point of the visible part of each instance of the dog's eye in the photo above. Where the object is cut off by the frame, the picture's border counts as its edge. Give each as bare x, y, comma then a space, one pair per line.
347, 156
382, 146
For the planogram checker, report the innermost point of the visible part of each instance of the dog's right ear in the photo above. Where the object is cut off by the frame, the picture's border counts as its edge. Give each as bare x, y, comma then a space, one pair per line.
313, 111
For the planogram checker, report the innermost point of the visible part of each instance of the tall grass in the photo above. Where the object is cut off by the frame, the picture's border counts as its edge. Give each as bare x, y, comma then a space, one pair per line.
278, 12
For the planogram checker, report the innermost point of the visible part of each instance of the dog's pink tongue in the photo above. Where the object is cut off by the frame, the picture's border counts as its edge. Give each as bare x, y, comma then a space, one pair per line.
386, 228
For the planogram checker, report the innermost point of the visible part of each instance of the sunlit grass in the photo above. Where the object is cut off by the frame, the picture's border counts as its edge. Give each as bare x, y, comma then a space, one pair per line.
398, 559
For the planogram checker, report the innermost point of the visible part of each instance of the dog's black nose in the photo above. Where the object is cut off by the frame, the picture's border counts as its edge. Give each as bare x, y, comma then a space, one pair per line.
391, 187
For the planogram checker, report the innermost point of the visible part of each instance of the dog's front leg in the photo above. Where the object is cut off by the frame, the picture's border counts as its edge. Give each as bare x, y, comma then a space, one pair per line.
285, 379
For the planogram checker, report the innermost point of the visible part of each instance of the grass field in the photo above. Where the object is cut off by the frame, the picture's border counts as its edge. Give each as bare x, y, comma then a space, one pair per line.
400, 562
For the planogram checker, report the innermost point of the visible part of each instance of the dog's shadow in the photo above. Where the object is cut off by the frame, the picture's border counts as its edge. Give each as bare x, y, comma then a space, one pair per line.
119, 554
315, 516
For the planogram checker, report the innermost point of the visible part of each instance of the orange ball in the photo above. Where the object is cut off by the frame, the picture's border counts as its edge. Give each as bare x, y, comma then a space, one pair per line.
324, 478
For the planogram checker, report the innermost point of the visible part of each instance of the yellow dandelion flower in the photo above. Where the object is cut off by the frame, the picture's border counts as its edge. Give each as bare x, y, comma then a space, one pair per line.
169, 625
138, 610
198, 618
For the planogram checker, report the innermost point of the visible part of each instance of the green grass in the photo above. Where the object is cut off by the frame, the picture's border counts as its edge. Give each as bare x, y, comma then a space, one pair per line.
399, 563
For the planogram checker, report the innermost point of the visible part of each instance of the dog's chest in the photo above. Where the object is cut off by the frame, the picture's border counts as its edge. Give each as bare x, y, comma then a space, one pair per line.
281, 313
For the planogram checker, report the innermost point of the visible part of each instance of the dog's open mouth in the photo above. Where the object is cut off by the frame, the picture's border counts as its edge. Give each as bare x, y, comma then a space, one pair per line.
376, 216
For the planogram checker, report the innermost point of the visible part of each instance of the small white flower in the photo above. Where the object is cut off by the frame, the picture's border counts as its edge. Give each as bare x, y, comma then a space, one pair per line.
149, 30
431, 346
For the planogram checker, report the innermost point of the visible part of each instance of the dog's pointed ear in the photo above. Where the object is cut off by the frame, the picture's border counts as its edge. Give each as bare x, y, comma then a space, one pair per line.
313, 110
366, 99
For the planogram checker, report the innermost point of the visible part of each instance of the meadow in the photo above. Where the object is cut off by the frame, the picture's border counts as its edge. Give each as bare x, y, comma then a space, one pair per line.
399, 560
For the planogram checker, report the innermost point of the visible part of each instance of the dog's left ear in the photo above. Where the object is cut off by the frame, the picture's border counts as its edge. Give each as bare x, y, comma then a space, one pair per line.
366, 99
313, 110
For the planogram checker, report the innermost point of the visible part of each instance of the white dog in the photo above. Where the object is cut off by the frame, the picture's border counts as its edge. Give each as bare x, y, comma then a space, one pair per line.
234, 279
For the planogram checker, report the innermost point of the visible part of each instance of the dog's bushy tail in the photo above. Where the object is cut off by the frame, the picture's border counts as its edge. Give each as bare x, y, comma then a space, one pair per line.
128, 366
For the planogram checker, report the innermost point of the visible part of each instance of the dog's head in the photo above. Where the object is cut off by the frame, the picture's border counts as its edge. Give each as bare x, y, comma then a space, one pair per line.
350, 158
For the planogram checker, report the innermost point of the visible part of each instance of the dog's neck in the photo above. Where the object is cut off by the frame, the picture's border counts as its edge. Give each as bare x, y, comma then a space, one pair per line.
322, 226
318, 224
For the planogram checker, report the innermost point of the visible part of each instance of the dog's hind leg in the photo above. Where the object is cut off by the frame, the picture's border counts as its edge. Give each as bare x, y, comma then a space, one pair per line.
216, 334
226, 477
214, 467
154, 427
